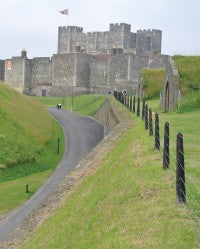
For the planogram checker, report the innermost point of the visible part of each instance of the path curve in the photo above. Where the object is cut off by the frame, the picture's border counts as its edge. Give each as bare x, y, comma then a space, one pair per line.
83, 133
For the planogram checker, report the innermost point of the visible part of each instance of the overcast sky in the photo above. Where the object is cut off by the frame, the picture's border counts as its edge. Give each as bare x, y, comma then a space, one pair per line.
33, 24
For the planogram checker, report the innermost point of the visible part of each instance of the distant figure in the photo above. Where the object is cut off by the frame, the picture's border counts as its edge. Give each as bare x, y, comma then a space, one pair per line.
59, 106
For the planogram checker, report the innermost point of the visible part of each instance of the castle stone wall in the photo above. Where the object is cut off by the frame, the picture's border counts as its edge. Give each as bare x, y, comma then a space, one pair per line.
27, 74
41, 71
82, 70
2, 70
99, 70
87, 62
14, 71
170, 86
64, 69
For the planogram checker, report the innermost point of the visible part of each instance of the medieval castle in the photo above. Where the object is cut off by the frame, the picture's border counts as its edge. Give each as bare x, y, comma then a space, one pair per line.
87, 62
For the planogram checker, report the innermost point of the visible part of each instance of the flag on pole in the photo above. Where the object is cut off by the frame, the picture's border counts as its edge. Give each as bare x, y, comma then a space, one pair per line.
64, 12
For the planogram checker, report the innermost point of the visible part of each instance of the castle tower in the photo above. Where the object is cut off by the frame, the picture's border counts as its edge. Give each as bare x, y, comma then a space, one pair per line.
120, 35
151, 38
66, 38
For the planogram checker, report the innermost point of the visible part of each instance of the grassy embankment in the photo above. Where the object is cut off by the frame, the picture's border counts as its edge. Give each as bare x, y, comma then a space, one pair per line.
128, 203
28, 147
186, 120
152, 82
82, 104
28, 142
189, 71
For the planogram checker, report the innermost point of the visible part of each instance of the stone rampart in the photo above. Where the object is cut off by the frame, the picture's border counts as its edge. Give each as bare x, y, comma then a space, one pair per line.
170, 86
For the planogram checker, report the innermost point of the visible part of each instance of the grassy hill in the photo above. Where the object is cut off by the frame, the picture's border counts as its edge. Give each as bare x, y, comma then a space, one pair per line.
152, 82
129, 202
82, 104
28, 140
189, 71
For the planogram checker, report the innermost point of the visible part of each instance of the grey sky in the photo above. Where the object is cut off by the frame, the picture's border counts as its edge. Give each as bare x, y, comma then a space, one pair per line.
32, 24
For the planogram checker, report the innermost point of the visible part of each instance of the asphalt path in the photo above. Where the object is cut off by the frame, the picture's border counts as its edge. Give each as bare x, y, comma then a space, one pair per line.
81, 135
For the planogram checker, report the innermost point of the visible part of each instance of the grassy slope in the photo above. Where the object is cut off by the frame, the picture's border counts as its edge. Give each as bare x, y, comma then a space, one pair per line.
189, 124
28, 147
152, 82
83, 104
28, 142
128, 203
189, 71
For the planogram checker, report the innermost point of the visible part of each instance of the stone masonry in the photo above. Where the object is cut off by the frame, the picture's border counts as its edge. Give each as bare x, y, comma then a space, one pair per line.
171, 85
87, 62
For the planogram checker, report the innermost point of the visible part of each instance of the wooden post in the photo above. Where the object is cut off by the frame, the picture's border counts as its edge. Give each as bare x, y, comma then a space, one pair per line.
131, 103
166, 147
180, 171
143, 109
134, 104
146, 117
27, 191
138, 107
58, 145
124, 99
150, 123
157, 133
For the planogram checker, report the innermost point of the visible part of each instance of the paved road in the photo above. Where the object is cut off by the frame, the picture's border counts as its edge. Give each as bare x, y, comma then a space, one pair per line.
83, 134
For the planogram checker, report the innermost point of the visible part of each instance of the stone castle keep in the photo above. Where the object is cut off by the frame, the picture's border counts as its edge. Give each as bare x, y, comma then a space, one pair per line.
87, 62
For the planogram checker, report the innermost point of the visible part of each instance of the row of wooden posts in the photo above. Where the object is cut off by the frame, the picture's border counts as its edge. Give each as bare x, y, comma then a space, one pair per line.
130, 101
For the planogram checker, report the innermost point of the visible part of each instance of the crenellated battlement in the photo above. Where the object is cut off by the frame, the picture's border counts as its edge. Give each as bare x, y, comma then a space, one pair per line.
72, 29
120, 27
149, 31
118, 36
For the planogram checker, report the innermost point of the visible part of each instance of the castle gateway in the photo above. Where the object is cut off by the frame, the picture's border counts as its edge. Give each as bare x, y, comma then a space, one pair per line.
87, 62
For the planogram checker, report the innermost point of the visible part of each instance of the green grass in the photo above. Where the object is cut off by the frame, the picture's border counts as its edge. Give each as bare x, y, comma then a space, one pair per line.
189, 71
82, 104
152, 82
188, 123
28, 143
128, 203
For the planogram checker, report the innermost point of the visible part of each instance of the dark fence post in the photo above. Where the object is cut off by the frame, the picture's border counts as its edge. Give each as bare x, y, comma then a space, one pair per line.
166, 147
134, 104
180, 170
58, 145
124, 99
138, 107
143, 109
27, 191
128, 102
157, 133
131, 103
150, 123
146, 117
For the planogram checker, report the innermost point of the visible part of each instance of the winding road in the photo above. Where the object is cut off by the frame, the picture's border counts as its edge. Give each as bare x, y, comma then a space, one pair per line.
81, 135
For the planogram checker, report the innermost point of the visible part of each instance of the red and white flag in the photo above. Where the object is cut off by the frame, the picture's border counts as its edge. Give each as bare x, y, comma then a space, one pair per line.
64, 12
